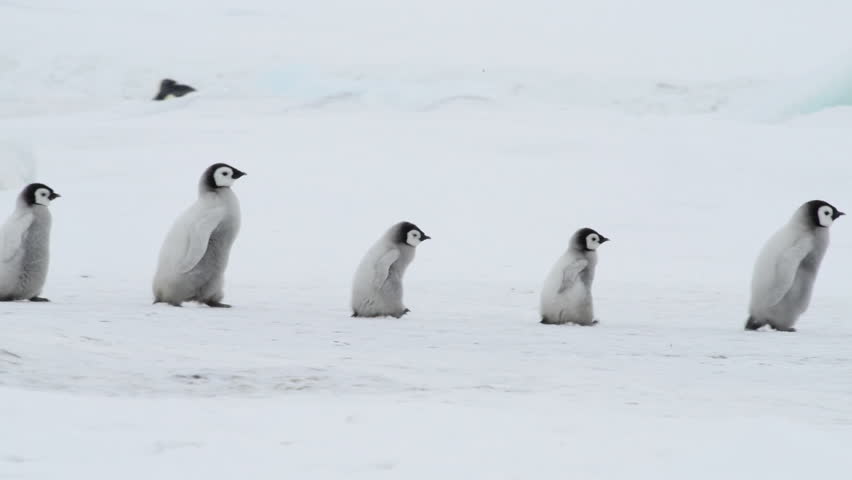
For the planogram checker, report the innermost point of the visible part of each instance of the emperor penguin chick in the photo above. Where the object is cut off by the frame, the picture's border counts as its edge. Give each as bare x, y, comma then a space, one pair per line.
25, 247
786, 268
195, 253
567, 293
377, 287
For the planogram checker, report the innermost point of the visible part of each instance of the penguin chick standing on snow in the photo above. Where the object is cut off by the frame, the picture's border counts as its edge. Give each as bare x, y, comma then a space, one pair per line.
787, 267
195, 253
377, 287
169, 87
567, 293
25, 247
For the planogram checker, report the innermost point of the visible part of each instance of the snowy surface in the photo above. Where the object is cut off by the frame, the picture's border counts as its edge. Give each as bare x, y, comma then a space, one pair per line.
685, 134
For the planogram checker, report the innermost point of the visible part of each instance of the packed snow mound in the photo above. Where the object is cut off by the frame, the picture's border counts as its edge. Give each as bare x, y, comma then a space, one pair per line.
660, 58
816, 91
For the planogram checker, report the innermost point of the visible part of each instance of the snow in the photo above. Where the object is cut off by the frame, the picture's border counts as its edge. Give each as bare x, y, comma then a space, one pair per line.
686, 134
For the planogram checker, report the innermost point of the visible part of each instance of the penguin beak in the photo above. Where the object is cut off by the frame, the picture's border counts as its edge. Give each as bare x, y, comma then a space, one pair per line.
838, 214
604, 239
53, 196
425, 237
238, 174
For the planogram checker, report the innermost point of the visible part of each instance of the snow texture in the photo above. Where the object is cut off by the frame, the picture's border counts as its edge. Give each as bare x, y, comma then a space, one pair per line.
686, 133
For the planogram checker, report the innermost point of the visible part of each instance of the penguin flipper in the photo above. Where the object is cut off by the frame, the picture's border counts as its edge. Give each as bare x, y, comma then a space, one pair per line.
570, 274
197, 237
382, 268
12, 236
785, 269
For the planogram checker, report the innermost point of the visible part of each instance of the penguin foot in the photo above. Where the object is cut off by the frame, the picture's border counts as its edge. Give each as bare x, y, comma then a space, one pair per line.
752, 324
783, 329
174, 304
39, 299
215, 304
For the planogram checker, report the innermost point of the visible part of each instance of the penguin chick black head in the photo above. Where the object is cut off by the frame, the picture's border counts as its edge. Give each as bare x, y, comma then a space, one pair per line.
171, 87
410, 234
38, 194
587, 239
818, 213
219, 175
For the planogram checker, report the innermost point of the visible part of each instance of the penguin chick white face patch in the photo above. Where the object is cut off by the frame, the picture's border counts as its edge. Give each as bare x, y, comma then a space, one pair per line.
43, 196
593, 241
413, 238
224, 177
825, 214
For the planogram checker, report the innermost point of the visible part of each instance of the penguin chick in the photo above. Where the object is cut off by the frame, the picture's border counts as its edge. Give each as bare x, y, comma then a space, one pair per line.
787, 266
567, 293
377, 286
169, 87
25, 245
195, 253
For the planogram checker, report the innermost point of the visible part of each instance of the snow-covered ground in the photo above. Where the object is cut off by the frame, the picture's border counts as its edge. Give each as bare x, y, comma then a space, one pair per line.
686, 134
